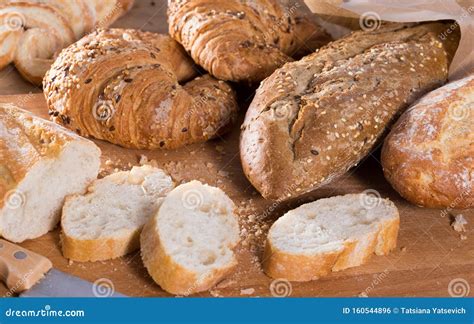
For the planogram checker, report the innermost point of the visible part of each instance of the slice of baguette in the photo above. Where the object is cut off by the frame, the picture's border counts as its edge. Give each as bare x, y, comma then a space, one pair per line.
105, 223
40, 164
188, 245
330, 234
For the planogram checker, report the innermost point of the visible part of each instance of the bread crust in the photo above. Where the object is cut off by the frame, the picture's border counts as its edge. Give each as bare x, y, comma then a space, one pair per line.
127, 92
307, 267
239, 40
41, 29
171, 276
314, 119
428, 157
25, 141
98, 249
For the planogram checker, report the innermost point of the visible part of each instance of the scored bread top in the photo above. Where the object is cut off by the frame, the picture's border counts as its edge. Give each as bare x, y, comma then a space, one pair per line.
313, 119
326, 225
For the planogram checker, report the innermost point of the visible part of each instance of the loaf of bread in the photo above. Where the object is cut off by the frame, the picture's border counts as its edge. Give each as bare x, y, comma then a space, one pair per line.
41, 163
240, 40
428, 157
106, 221
123, 86
188, 245
314, 119
34, 31
330, 234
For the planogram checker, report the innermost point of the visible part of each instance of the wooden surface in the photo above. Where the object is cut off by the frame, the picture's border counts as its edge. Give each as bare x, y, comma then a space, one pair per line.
429, 256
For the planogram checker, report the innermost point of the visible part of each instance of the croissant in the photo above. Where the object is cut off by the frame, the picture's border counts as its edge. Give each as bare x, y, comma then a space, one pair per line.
34, 31
239, 40
123, 86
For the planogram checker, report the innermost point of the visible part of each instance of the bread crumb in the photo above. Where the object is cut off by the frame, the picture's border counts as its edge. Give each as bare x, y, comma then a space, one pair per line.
403, 249
70, 262
463, 237
363, 294
248, 291
459, 222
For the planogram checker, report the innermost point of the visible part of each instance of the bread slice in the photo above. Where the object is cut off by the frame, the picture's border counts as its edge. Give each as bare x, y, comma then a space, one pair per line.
105, 223
330, 234
188, 245
40, 164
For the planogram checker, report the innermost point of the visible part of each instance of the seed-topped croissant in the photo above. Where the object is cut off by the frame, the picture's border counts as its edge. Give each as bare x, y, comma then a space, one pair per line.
32, 32
241, 40
123, 86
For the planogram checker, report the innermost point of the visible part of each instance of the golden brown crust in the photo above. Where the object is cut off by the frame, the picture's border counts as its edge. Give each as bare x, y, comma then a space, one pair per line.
428, 157
301, 267
313, 119
240, 40
98, 249
26, 139
122, 86
171, 276
36, 30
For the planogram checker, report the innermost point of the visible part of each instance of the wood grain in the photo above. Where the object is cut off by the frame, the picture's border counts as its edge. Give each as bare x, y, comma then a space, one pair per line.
429, 256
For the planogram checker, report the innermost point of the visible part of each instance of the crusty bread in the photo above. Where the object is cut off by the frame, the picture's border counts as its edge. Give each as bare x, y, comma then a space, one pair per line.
41, 163
105, 223
239, 40
428, 156
126, 87
34, 31
314, 119
330, 234
188, 245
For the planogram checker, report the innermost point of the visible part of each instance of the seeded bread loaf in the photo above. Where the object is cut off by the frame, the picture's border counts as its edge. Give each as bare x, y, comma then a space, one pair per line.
428, 157
129, 88
41, 163
187, 247
330, 234
106, 221
240, 40
314, 119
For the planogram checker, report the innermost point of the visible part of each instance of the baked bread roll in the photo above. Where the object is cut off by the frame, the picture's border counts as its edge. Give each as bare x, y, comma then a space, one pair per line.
187, 247
34, 31
239, 40
41, 163
314, 119
106, 221
428, 157
123, 86
330, 234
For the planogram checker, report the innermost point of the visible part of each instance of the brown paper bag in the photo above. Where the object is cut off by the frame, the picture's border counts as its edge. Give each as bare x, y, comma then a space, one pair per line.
368, 14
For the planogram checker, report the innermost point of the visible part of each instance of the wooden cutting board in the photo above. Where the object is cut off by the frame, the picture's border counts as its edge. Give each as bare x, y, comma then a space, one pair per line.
429, 256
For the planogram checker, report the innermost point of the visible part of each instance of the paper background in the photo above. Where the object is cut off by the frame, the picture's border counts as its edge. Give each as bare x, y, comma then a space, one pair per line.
367, 12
